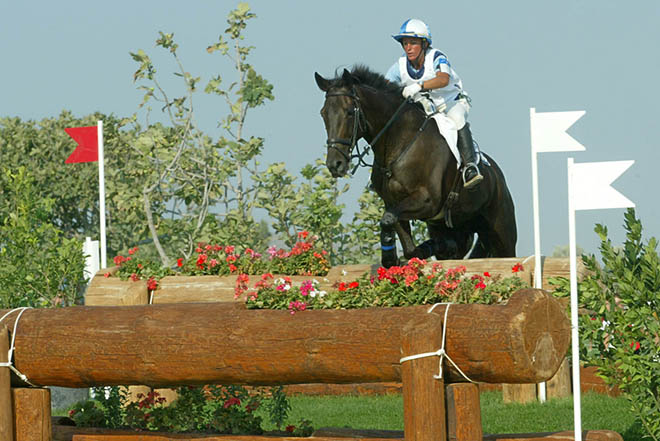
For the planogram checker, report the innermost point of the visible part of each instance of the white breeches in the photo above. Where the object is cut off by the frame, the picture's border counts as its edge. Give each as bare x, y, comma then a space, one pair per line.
458, 112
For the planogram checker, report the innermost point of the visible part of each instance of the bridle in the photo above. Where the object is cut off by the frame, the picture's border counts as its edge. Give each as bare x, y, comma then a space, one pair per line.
359, 124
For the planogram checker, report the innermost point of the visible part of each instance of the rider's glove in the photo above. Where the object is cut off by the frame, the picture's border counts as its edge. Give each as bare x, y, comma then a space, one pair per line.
410, 90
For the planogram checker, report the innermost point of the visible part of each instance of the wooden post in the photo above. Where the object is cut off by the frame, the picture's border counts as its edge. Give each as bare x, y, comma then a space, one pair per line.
6, 416
518, 393
423, 395
559, 386
463, 412
32, 418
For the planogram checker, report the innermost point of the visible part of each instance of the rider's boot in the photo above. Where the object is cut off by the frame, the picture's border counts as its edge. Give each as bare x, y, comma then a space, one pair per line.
471, 175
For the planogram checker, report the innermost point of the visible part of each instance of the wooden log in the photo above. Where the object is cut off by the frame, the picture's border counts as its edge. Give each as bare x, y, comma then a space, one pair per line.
6, 414
587, 435
205, 343
423, 395
341, 435
463, 412
32, 418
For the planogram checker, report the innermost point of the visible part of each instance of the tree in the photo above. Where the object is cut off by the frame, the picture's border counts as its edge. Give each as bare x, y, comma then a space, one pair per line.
184, 173
40, 267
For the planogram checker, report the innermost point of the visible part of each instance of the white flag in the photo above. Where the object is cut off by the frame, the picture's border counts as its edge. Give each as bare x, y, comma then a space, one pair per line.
548, 131
589, 184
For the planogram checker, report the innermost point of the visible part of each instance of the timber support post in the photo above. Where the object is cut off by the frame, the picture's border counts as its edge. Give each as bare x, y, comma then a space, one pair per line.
6, 414
32, 417
424, 415
463, 412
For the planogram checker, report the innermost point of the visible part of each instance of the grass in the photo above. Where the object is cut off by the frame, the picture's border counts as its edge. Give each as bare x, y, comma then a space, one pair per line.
386, 413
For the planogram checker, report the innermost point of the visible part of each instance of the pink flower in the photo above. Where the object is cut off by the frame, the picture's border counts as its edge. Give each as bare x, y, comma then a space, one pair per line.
134, 277
272, 251
229, 249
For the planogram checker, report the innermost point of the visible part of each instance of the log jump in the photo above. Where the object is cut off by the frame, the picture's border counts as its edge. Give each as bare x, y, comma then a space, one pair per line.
185, 344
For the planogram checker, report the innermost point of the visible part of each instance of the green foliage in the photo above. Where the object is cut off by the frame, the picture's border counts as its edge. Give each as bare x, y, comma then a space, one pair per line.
621, 335
40, 267
214, 409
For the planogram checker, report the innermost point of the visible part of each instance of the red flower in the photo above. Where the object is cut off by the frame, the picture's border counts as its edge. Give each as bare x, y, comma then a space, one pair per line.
134, 277
303, 234
486, 274
517, 267
152, 284
232, 267
106, 275
233, 401
290, 428
353, 285
132, 251
179, 262
635, 346
342, 286
480, 285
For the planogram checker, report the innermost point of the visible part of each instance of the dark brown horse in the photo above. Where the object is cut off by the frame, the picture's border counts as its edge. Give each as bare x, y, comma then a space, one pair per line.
414, 172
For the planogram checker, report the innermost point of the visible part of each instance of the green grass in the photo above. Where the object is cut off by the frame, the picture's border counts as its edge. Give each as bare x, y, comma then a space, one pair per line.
386, 413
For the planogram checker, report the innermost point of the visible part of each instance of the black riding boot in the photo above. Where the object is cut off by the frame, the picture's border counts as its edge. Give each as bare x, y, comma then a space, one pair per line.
471, 175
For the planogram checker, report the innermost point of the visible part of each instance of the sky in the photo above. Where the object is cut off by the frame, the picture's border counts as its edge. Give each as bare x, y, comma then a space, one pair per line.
600, 56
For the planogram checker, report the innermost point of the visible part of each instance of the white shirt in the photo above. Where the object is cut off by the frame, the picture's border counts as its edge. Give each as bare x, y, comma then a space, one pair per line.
404, 73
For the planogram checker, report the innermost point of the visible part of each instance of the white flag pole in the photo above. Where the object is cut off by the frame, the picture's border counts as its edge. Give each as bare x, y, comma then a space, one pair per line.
538, 280
102, 196
575, 347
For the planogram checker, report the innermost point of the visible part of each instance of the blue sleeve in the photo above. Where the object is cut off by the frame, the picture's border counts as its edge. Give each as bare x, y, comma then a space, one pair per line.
393, 75
440, 62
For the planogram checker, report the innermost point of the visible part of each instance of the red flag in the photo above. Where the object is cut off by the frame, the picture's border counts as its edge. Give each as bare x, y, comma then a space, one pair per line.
88, 144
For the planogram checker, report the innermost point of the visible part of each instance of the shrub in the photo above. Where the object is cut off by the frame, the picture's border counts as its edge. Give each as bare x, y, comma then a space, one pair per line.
621, 333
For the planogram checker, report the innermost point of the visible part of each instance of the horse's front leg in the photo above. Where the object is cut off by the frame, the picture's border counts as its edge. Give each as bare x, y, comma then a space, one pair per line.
388, 255
412, 208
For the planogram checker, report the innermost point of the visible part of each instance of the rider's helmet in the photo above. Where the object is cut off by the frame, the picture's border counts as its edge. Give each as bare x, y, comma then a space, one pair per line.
414, 28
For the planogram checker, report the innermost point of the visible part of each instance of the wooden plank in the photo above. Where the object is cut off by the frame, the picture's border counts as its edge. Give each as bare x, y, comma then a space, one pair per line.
423, 395
219, 343
463, 412
112, 291
518, 393
6, 414
559, 386
556, 267
32, 418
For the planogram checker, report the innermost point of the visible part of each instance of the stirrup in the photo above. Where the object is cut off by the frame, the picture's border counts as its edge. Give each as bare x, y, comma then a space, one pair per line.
476, 179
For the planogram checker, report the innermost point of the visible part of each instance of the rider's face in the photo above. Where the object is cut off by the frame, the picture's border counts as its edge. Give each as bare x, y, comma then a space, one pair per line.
413, 48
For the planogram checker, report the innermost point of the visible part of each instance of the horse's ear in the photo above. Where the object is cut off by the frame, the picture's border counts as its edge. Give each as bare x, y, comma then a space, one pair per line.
348, 78
323, 84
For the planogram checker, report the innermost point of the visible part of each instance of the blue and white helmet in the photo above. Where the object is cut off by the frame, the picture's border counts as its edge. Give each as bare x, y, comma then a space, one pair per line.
413, 28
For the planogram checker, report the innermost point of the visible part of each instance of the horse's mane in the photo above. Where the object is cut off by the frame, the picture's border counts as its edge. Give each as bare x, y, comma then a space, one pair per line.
368, 77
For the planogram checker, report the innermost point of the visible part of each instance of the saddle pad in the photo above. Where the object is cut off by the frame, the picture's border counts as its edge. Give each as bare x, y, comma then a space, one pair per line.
448, 131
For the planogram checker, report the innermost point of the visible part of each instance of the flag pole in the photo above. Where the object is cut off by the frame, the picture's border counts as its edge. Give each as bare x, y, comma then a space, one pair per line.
575, 347
102, 196
538, 280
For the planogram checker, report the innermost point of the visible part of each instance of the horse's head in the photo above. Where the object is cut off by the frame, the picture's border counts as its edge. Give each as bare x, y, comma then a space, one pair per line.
341, 115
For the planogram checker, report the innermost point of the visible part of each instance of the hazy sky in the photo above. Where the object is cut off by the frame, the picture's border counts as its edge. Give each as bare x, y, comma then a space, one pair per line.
600, 56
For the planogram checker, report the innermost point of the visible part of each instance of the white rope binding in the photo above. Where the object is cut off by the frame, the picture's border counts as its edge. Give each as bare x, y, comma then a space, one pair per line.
440, 352
10, 354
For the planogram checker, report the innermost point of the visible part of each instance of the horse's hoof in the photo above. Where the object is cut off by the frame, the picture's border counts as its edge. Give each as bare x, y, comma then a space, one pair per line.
388, 220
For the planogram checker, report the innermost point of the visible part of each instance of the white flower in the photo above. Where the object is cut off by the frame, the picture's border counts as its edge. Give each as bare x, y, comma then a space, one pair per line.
344, 272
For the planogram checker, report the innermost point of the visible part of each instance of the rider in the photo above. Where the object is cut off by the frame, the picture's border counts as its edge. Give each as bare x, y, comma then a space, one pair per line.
425, 69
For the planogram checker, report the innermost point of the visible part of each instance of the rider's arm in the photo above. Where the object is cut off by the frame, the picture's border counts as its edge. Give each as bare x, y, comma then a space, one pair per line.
442, 73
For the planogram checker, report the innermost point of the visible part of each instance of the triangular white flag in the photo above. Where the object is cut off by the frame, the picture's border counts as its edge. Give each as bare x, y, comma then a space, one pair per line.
548, 131
589, 184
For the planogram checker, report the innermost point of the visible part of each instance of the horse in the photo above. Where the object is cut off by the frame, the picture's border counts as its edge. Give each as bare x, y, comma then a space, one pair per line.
414, 172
